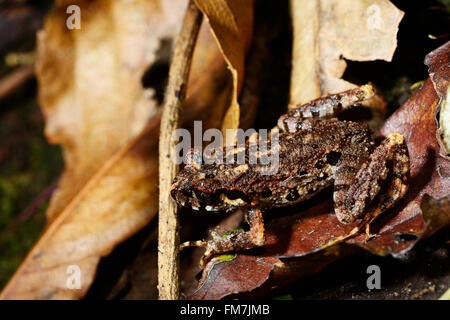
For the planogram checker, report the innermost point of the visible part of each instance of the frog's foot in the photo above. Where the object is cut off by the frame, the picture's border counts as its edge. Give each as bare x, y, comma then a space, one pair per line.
233, 241
212, 246
220, 244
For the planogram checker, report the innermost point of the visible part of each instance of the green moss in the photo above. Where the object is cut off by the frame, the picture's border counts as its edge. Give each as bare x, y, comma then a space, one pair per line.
28, 165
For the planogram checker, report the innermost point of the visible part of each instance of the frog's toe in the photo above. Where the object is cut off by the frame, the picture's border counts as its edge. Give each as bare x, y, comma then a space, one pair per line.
205, 258
211, 250
198, 243
208, 245
370, 236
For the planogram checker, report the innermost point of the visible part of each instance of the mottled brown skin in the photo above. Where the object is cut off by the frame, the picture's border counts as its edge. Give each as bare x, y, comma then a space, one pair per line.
314, 153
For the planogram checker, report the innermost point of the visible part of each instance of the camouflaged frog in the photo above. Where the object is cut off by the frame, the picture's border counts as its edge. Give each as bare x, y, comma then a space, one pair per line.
315, 151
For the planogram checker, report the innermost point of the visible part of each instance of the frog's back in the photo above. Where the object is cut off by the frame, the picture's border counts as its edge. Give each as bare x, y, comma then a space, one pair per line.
307, 162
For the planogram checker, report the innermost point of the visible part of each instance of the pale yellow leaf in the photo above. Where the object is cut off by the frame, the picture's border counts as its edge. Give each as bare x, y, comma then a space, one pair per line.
328, 31
231, 22
444, 120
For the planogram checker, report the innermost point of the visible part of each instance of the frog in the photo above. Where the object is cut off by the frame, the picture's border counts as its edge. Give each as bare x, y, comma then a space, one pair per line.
316, 151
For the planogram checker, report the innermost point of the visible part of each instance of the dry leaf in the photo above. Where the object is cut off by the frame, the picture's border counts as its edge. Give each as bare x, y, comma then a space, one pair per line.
232, 23
327, 31
90, 86
113, 205
438, 62
113, 202
209, 95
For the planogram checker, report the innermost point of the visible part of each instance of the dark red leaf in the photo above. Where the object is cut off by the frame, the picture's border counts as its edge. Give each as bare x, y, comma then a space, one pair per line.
294, 243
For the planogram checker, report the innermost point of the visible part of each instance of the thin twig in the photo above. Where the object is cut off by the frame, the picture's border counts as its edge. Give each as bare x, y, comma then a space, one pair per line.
168, 241
30, 210
14, 80
37, 202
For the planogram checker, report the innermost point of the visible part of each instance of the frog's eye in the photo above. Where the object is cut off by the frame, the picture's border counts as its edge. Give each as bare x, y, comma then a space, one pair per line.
319, 164
266, 193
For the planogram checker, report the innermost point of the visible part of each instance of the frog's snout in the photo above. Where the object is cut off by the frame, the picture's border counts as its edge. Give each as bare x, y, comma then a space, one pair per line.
180, 192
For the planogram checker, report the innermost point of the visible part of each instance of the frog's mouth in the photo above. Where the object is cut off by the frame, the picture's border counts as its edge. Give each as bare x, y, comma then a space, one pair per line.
222, 200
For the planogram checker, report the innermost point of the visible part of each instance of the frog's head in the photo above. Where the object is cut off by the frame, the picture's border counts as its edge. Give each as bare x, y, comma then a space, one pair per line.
204, 187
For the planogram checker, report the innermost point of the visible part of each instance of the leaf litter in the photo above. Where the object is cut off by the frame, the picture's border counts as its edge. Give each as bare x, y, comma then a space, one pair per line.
107, 194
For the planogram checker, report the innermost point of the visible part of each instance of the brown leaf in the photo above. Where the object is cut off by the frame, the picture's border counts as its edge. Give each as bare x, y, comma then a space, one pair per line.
119, 200
117, 195
327, 31
231, 22
90, 86
296, 239
248, 273
438, 62
209, 95
289, 253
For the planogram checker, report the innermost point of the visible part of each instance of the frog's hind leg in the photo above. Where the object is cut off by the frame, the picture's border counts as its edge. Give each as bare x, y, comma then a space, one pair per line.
397, 187
351, 197
354, 191
323, 107
233, 241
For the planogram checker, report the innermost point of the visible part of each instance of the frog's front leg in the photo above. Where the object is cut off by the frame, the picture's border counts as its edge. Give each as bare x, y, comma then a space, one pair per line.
323, 107
236, 240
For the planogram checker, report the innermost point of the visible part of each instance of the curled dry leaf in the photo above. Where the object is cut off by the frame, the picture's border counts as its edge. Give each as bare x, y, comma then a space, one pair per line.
327, 31
232, 24
443, 134
105, 198
294, 243
438, 62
